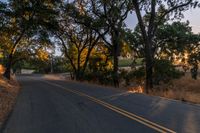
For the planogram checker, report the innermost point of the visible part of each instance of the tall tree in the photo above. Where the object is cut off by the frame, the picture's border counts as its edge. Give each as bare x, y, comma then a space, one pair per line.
174, 42
157, 10
107, 19
77, 41
27, 19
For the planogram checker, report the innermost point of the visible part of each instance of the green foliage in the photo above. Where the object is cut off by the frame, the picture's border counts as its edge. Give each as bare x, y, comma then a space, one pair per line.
194, 60
1, 54
194, 72
174, 38
100, 70
25, 30
135, 75
102, 77
135, 41
164, 71
138, 74
59, 65
38, 65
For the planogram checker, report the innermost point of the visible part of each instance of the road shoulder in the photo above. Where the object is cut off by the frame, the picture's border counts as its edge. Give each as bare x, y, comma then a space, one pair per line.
8, 95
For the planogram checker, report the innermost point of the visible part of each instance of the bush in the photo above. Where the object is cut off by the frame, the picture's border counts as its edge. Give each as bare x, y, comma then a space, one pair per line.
137, 75
89, 76
103, 77
164, 71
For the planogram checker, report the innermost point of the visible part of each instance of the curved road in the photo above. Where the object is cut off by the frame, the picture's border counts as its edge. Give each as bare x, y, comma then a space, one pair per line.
55, 106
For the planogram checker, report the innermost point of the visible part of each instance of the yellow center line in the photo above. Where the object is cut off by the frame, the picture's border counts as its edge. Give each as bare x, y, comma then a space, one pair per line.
132, 116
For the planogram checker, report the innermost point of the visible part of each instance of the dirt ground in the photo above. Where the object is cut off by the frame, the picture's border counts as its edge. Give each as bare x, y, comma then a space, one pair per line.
8, 94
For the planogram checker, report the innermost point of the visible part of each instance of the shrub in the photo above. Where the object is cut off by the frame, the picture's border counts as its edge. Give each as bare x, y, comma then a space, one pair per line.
137, 75
164, 71
102, 77
89, 76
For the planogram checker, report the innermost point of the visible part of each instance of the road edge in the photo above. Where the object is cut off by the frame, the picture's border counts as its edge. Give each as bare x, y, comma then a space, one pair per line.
5, 121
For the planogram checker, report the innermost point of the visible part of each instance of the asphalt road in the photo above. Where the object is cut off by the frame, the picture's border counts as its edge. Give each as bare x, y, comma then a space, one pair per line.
53, 106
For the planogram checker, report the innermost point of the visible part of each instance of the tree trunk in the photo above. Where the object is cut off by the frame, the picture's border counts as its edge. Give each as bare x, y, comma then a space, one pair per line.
116, 52
148, 48
149, 75
78, 76
10, 58
87, 60
8, 67
115, 70
149, 66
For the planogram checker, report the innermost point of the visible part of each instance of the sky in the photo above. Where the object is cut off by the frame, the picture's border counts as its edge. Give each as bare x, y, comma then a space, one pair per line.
193, 15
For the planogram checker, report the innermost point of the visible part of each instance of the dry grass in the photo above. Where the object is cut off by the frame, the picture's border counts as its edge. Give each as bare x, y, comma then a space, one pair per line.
8, 94
184, 89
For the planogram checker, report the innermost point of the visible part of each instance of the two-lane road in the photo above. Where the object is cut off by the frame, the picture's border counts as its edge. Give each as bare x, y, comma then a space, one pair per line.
46, 106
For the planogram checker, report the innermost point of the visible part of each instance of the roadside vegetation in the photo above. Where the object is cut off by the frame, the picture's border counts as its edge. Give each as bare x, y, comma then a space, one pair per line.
90, 40
184, 89
9, 90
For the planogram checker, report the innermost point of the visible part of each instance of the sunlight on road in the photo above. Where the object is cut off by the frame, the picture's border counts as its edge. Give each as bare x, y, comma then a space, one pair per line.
137, 89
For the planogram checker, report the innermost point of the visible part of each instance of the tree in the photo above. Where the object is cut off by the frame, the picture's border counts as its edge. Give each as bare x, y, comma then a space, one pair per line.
107, 19
174, 42
3, 17
100, 59
33, 53
25, 20
78, 48
157, 11
77, 41
193, 55
135, 41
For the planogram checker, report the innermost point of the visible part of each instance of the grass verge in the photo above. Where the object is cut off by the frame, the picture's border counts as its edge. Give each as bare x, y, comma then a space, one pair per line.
185, 89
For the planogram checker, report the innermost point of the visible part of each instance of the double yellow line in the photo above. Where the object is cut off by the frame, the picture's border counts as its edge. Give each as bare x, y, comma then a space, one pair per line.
132, 116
